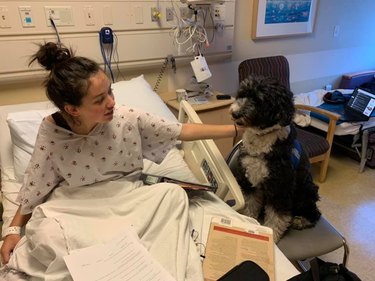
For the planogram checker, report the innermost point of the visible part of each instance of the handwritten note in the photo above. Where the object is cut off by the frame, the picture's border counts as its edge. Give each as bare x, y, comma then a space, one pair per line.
124, 258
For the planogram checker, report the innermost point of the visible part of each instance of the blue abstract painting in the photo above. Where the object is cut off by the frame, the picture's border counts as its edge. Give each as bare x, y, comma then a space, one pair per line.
287, 11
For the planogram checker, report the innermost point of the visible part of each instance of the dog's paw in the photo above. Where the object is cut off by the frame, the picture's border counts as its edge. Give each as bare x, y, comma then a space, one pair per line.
300, 223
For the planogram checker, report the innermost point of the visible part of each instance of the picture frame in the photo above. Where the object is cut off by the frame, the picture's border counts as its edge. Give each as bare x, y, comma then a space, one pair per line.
272, 18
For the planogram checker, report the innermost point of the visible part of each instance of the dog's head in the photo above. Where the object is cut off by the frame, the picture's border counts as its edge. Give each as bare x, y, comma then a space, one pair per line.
261, 103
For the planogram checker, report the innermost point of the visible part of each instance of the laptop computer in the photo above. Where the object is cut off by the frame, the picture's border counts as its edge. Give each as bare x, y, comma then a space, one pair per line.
360, 105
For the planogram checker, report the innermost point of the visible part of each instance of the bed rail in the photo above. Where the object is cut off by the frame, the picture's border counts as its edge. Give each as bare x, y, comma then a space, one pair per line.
207, 163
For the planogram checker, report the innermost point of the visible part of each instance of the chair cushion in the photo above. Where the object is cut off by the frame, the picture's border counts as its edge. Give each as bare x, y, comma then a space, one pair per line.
311, 242
312, 143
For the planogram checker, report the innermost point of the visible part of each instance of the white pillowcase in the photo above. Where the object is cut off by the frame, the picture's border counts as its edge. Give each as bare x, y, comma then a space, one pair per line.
136, 92
24, 128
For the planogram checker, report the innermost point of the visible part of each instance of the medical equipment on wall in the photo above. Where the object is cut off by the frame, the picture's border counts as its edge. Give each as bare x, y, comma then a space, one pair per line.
108, 46
200, 68
193, 32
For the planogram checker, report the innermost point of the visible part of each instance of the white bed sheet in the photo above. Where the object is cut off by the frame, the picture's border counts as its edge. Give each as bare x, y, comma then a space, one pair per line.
201, 209
315, 98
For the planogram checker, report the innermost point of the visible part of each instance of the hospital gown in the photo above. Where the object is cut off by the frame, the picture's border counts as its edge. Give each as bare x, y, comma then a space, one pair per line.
110, 151
77, 185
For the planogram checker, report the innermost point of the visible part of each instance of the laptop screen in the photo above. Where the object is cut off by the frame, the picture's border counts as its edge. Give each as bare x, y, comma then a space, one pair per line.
361, 104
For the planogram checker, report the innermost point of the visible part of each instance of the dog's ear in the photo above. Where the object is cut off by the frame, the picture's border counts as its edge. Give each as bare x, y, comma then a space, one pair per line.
281, 104
287, 104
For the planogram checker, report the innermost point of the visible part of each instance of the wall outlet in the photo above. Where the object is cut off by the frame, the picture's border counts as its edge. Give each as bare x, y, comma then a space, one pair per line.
169, 14
219, 12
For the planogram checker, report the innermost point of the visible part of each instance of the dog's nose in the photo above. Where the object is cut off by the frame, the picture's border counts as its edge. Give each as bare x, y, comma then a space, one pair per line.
235, 115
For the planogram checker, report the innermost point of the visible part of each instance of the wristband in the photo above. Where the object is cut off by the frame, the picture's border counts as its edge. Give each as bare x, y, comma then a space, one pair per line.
12, 230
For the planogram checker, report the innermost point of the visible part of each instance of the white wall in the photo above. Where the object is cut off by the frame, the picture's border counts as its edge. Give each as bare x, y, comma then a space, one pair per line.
315, 59
140, 39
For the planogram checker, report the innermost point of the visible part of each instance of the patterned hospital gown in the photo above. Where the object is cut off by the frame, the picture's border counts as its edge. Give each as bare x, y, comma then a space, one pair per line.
108, 152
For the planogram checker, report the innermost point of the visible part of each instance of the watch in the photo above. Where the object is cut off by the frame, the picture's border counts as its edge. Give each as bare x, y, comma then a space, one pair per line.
12, 230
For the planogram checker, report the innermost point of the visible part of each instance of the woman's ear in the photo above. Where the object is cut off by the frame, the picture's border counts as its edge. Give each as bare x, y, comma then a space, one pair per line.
71, 110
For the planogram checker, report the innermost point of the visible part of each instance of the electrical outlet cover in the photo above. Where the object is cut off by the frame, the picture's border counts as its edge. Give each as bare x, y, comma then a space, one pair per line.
169, 14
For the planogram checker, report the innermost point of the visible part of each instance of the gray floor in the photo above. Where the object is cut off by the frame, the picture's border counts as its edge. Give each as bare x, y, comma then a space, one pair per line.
348, 201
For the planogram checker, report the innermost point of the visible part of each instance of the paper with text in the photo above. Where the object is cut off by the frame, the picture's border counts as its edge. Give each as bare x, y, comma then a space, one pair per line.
122, 259
230, 242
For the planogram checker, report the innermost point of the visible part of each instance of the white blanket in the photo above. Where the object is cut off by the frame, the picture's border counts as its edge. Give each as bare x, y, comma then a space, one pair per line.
159, 213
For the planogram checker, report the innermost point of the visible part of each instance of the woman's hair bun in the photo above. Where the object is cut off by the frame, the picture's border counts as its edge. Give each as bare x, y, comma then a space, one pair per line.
51, 54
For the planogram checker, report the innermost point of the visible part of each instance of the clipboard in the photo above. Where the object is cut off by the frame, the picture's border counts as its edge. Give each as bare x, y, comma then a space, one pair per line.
230, 243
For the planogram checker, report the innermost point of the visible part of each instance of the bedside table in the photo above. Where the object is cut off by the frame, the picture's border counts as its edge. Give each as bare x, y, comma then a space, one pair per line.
214, 112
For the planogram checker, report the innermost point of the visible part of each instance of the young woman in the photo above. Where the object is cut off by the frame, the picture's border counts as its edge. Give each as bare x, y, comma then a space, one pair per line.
89, 141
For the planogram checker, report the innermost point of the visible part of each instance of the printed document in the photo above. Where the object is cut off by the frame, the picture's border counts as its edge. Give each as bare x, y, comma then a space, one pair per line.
230, 242
122, 259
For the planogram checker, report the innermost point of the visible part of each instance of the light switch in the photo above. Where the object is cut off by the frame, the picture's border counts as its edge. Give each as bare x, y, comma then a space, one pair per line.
107, 15
336, 31
26, 16
138, 15
89, 15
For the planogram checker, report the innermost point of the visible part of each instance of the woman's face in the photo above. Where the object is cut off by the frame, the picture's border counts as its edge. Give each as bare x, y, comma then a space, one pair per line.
98, 104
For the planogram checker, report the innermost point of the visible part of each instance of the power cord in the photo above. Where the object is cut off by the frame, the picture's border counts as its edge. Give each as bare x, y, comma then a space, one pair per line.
168, 59
56, 31
106, 47
116, 59
193, 31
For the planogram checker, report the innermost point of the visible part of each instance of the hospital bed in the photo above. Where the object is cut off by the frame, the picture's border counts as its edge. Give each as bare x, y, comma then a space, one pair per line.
198, 161
352, 136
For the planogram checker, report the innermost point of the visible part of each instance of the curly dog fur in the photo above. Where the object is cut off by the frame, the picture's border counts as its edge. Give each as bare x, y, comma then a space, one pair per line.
276, 193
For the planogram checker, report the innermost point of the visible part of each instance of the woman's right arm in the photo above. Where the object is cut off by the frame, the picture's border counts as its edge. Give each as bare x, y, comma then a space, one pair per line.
11, 240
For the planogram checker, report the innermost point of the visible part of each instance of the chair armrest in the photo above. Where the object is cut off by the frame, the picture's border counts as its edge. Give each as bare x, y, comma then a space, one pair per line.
330, 115
333, 117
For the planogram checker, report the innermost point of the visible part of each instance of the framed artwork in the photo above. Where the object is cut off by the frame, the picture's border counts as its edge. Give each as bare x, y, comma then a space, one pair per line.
283, 17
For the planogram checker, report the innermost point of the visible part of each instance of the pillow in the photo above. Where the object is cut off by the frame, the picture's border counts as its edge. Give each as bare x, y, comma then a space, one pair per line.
136, 92
24, 128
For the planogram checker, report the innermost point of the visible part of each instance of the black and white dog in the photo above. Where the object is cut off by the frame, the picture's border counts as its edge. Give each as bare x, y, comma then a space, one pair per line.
273, 170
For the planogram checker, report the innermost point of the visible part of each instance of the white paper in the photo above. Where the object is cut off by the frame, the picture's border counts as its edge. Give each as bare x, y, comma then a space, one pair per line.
124, 258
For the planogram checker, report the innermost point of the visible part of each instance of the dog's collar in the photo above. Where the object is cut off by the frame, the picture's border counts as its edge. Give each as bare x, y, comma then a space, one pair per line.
272, 129
258, 144
269, 130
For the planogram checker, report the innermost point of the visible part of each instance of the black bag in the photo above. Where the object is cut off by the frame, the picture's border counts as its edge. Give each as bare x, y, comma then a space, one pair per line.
247, 270
325, 271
